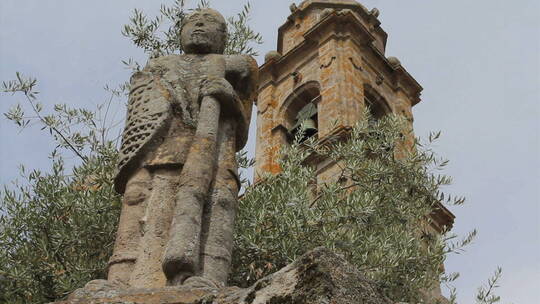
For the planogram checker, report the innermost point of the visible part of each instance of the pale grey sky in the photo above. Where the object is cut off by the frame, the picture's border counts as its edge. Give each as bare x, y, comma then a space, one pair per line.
478, 61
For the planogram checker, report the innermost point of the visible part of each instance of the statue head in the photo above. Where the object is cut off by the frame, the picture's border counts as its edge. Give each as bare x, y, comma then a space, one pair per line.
204, 32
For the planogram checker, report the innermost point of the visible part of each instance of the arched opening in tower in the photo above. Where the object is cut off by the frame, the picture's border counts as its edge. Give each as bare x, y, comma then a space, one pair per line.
301, 112
377, 105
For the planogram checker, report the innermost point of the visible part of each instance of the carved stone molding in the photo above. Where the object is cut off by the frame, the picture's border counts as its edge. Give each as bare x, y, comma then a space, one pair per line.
356, 66
329, 63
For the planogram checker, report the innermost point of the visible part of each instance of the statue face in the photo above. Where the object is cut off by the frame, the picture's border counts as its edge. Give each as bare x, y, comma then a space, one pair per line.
204, 32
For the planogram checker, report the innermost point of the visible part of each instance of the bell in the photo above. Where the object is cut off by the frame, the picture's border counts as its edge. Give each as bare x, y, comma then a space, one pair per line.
307, 117
310, 127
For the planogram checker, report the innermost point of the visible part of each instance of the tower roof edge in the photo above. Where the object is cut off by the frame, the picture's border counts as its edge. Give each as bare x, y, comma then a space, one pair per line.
369, 17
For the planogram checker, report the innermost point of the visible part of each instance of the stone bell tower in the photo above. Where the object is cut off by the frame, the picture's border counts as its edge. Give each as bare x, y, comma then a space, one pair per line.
329, 64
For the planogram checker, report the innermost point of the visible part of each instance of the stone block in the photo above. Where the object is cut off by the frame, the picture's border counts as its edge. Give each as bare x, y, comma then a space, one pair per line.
318, 277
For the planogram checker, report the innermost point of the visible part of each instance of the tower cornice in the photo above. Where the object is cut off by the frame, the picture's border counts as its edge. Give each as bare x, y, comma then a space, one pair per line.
341, 24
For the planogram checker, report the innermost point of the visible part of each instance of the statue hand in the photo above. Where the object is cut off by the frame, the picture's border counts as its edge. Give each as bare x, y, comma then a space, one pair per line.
223, 91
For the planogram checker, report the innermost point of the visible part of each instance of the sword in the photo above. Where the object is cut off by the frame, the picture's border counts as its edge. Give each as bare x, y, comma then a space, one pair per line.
181, 258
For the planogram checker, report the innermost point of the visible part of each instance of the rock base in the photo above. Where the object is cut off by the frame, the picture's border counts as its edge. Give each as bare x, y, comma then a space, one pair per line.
318, 277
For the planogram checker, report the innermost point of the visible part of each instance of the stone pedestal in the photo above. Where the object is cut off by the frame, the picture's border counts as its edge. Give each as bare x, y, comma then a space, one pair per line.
318, 277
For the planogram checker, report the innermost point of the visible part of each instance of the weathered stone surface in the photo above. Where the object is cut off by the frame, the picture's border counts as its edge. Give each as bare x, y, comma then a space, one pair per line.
318, 277
187, 117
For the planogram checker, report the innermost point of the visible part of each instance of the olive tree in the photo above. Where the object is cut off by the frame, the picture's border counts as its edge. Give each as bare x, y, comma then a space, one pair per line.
374, 212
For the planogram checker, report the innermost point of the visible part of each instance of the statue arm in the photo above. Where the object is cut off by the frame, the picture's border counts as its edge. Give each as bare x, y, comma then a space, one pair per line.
243, 73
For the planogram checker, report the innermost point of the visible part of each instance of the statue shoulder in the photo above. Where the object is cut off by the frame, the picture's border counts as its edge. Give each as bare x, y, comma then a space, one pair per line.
242, 64
163, 62
165, 59
243, 73
158, 66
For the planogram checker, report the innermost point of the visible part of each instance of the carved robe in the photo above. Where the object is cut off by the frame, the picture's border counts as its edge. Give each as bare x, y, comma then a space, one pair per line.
162, 117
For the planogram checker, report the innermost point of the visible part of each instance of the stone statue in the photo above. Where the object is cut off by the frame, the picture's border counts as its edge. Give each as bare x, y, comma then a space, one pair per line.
187, 117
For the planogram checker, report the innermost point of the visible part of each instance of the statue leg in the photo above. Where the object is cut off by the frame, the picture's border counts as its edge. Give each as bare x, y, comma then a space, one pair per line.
219, 215
157, 219
129, 229
181, 258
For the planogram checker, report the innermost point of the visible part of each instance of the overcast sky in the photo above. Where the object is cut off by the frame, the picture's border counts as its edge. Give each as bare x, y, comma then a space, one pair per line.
478, 61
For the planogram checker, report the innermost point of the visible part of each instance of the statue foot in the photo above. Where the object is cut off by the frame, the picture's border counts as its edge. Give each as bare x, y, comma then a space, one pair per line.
177, 268
201, 282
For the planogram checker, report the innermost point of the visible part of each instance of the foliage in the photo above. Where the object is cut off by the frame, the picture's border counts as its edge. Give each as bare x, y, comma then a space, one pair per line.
373, 210
485, 293
57, 228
